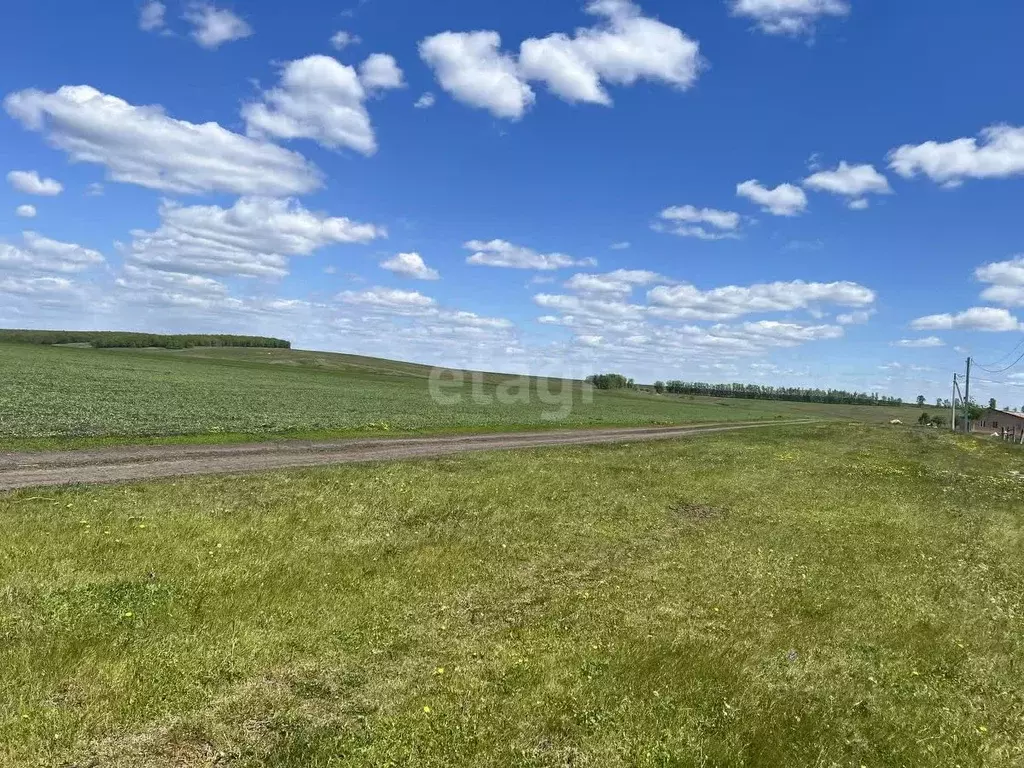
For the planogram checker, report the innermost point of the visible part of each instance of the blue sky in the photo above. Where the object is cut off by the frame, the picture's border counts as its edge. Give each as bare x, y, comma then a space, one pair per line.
814, 192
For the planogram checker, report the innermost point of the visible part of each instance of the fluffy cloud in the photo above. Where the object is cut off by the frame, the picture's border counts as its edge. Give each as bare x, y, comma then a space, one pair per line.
774, 333
253, 238
999, 154
922, 343
389, 298
501, 253
141, 281
851, 181
855, 318
435, 320
471, 67
342, 39
42, 291
410, 265
322, 99
588, 306
974, 319
26, 211
30, 183
688, 302
687, 221
212, 27
630, 342
624, 48
1006, 280
151, 16
142, 145
41, 254
379, 71
784, 200
426, 101
621, 281
789, 17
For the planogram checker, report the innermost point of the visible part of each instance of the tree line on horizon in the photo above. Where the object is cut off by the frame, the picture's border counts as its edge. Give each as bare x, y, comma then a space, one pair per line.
748, 391
133, 340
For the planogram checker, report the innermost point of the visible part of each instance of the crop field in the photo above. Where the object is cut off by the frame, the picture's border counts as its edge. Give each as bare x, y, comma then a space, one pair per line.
61, 396
831, 595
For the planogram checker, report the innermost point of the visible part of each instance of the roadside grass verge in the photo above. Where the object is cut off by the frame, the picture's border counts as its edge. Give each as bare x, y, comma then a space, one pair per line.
817, 595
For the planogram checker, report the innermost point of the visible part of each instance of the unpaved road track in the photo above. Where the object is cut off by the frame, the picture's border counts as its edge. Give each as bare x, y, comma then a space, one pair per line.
121, 464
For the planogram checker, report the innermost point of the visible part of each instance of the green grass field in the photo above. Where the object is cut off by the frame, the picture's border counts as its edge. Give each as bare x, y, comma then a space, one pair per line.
829, 595
60, 396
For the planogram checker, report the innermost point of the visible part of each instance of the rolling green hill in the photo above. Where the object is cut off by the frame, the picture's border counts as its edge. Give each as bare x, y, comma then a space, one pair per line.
54, 396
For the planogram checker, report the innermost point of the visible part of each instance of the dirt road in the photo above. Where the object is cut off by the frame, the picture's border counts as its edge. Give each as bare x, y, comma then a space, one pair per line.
112, 465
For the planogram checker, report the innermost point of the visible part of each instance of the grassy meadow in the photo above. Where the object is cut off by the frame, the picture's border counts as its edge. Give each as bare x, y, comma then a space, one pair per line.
826, 595
66, 396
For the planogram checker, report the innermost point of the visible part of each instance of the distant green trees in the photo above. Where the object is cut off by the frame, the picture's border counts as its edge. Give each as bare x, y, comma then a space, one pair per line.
131, 339
920, 401
659, 387
992, 404
794, 394
610, 381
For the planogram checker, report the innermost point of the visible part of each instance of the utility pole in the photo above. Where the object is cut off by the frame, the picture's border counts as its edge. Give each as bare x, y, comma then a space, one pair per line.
952, 417
967, 399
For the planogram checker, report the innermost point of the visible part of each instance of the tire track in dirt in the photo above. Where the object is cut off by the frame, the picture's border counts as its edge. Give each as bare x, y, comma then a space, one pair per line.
133, 463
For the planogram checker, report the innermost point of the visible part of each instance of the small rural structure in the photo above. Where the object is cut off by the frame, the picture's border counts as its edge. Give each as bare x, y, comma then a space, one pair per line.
1008, 425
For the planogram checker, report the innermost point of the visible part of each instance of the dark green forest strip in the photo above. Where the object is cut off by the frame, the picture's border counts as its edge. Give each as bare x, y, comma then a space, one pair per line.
131, 339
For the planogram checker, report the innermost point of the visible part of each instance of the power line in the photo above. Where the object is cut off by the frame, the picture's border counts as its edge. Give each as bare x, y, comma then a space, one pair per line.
1001, 359
1003, 370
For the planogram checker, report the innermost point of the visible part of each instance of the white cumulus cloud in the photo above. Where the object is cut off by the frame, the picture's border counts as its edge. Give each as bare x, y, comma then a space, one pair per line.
41, 254
472, 68
689, 221
342, 39
388, 298
975, 319
410, 265
30, 183
501, 253
855, 318
850, 181
26, 211
621, 281
253, 238
426, 101
322, 99
727, 302
924, 342
999, 154
626, 48
789, 17
144, 146
623, 48
784, 200
151, 16
380, 71
212, 26
1006, 281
